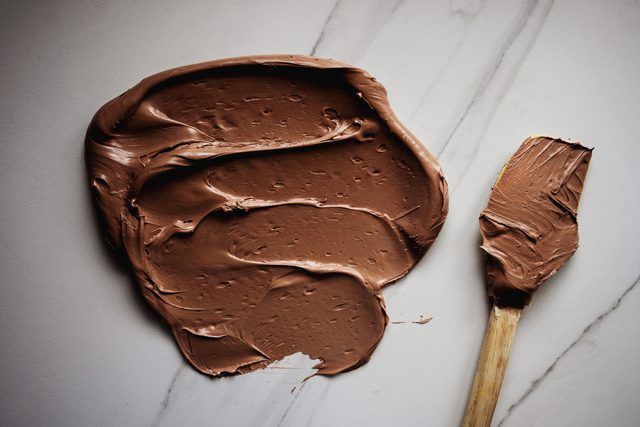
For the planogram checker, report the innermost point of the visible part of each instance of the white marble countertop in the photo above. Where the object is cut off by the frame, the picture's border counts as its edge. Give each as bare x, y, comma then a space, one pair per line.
471, 78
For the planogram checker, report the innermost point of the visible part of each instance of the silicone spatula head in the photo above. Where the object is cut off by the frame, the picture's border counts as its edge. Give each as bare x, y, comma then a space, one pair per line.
529, 228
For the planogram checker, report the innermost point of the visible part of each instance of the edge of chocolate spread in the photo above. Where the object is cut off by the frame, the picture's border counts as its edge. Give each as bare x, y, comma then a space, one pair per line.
262, 203
530, 227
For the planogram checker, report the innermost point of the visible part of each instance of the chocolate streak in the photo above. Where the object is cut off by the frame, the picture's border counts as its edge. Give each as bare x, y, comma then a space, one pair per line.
530, 228
262, 203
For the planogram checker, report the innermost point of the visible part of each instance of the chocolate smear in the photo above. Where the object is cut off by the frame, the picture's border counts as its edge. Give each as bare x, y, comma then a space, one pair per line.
262, 203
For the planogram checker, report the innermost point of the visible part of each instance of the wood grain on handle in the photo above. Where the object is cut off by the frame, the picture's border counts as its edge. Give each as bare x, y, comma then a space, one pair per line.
492, 364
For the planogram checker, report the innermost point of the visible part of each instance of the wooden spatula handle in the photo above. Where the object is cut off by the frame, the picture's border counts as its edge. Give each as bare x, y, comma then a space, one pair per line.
492, 364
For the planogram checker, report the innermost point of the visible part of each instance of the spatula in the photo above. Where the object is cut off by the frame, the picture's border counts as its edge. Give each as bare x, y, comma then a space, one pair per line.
529, 230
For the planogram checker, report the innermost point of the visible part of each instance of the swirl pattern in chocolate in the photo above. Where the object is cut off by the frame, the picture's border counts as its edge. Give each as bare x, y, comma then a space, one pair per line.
530, 228
262, 203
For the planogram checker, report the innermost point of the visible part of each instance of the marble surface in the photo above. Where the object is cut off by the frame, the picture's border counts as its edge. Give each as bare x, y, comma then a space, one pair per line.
471, 78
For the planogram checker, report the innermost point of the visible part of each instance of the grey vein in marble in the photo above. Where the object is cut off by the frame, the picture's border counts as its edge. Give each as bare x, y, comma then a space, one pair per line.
346, 41
286, 411
503, 83
467, 10
319, 399
167, 397
585, 332
468, 15
324, 28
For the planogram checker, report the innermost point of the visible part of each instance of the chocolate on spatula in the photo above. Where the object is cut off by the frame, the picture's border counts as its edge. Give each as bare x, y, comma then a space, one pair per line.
530, 228
529, 231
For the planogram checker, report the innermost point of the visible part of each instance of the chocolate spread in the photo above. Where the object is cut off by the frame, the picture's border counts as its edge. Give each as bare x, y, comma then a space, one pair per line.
530, 227
262, 203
